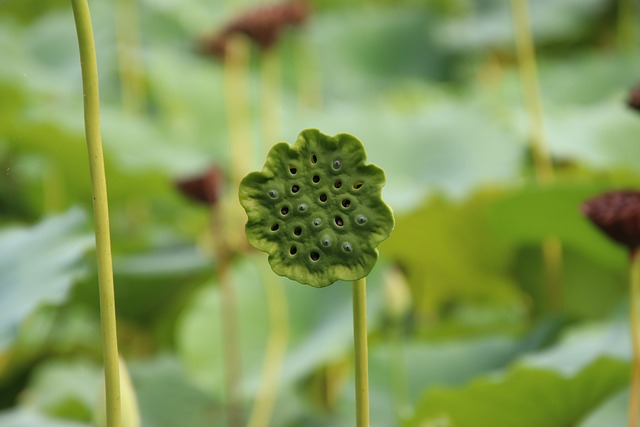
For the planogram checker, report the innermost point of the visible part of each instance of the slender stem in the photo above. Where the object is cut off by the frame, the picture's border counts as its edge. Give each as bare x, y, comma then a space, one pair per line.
101, 209
626, 25
275, 296
228, 318
128, 40
270, 99
309, 80
236, 68
361, 351
552, 259
634, 399
529, 75
542, 163
276, 349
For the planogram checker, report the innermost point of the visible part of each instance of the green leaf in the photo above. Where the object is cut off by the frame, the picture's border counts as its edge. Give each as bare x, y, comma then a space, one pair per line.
166, 399
531, 214
65, 389
27, 418
316, 209
443, 248
582, 345
38, 265
612, 413
524, 397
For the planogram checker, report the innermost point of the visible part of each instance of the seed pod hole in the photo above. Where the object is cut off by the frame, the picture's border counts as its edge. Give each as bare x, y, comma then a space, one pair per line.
297, 231
302, 207
273, 193
293, 170
317, 222
358, 185
347, 247
361, 219
316, 179
314, 256
346, 203
339, 221
295, 188
337, 184
337, 164
325, 241
323, 198
314, 159
293, 250
275, 227
284, 210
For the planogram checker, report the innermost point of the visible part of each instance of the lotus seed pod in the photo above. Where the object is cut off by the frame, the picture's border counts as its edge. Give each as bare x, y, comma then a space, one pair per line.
617, 214
316, 209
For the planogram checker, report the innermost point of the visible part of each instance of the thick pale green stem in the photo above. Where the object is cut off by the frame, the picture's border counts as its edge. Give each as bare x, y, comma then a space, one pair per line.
100, 208
361, 351
634, 399
542, 163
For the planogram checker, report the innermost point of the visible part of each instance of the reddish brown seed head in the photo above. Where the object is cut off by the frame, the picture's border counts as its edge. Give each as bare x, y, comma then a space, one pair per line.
617, 214
204, 188
633, 101
262, 24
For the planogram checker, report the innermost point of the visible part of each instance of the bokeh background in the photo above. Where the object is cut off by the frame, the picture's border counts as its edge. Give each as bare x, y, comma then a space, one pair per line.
494, 302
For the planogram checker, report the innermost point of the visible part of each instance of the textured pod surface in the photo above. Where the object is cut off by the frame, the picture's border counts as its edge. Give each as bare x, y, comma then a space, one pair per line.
617, 214
316, 209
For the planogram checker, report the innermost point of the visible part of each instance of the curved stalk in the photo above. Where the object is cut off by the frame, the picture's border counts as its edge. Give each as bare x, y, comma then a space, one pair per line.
361, 351
634, 398
100, 209
275, 351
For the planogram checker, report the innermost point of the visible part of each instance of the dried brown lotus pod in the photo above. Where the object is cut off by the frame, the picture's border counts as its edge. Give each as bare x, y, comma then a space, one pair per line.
617, 214
262, 24
633, 101
204, 188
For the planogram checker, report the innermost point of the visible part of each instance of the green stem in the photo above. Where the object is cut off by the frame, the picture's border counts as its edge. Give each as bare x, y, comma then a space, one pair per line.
626, 25
101, 208
529, 74
308, 78
634, 398
236, 70
276, 350
129, 66
542, 163
361, 352
270, 99
228, 317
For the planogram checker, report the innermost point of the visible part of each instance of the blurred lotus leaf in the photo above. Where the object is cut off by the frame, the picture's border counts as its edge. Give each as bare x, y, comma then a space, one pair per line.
316, 209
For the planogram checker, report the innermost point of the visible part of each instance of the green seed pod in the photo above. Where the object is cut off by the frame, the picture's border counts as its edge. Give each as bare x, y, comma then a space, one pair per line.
316, 209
